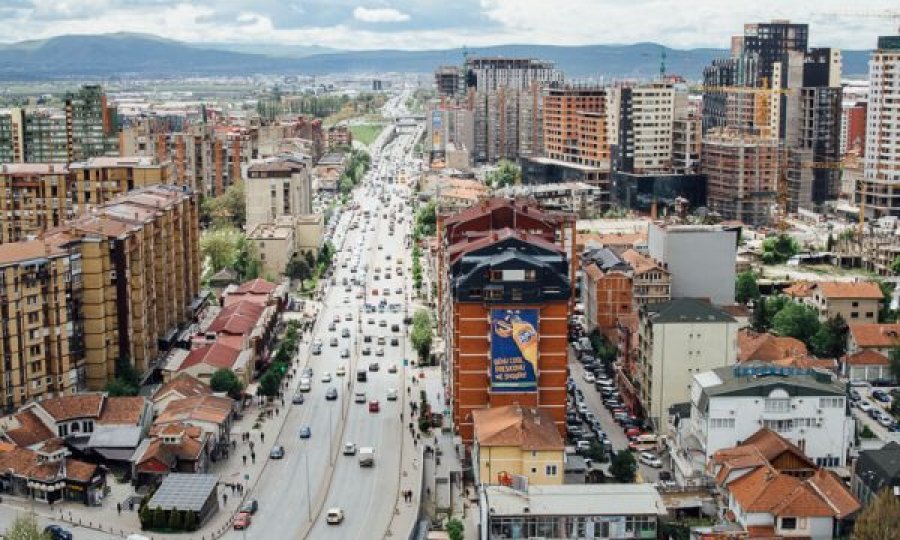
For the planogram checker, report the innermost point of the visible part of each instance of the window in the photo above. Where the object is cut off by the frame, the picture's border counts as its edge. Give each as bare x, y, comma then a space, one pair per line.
779, 425
475, 293
516, 294
827, 461
854, 315
530, 275
496, 275
870, 315
777, 405
550, 470
831, 403
855, 304
494, 294
789, 523
720, 423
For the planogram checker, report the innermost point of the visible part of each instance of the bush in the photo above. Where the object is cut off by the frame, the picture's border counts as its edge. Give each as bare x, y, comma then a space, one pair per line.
190, 521
455, 529
159, 518
174, 520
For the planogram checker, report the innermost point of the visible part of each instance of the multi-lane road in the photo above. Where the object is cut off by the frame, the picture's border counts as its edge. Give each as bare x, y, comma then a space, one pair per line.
295, 492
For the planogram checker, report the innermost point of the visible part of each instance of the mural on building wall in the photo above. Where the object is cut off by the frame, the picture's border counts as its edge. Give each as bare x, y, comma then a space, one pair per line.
514, 350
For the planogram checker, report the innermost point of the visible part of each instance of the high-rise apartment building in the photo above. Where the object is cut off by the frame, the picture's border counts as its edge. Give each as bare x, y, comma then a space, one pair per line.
880, 186
33, 198
687, 137
742, 174
771, 42
490, 74
140, 270
277, 187
44, 137
91, 125
42, 333
449, 126
101, 179
450, 81
645, 118
575, 125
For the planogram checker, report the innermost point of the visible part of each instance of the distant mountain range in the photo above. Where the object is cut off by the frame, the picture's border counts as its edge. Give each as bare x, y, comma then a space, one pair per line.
115, 55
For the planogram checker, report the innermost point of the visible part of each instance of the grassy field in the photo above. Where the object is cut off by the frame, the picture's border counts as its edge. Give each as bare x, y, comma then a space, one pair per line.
366, 133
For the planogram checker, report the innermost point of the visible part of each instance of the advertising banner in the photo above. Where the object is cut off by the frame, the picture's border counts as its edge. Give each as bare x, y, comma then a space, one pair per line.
514, 350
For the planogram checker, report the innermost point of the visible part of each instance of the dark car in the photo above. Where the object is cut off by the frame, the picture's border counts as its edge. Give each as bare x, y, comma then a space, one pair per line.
250, 507
881, 396
277, 452
297, 399
374, 366
305, 432
55, 532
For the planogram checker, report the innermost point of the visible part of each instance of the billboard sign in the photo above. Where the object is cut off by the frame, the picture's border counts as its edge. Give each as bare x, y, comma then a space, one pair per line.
514, 350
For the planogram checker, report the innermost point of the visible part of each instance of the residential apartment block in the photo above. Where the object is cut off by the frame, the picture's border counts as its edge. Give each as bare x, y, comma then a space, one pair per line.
277, 187
575, 125
643, 138
97, 181
882, 154
33, 198
676, 340
606, 289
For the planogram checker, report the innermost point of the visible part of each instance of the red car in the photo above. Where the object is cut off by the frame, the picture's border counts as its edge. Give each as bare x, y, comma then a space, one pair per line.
242, 521
374, 406
632, 433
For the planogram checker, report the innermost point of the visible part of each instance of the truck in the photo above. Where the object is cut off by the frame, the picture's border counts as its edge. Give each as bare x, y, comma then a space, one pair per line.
366, 456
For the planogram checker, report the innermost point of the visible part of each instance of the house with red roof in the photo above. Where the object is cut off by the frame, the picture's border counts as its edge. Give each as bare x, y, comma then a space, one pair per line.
855, 301
203, 361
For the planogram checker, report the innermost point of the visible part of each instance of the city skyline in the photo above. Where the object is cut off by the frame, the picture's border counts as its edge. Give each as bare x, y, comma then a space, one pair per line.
411, 25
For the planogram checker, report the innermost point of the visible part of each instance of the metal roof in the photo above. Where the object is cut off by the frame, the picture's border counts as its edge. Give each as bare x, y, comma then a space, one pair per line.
576, 500
184, 491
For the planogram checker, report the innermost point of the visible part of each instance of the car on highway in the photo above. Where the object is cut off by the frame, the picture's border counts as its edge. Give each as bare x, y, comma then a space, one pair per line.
345, 333
333, 342
373, 366
340, 371
366, 351
374, 406
336, 318
331, 394
334, 516
349, 449
392, 394
392, 368
332, 327
345, 353
382, 323
241, 521
305, 384
379, 351
277, 452
307, 372
55, 532
649, 460
326, 377
395, 342
297, 399
305, 432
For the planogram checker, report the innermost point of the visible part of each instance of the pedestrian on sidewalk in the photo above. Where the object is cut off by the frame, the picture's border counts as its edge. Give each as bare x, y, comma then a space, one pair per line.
233, 489
225, 499
262, 437
245, 459
119, 508
253, 457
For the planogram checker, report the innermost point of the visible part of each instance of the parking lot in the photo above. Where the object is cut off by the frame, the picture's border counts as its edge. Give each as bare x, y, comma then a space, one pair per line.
871, 407
614, 433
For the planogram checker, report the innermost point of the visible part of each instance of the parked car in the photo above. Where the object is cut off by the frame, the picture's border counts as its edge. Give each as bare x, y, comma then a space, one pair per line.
864, 406
881, 396
349, 449
650, 460
242, 521
250, 506
55, 532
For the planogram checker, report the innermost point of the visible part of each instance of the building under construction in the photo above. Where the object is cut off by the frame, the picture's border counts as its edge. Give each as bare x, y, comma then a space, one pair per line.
742, 174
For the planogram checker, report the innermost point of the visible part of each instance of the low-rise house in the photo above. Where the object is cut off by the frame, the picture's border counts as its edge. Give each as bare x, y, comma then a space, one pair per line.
202, 362
876, 470
856, 302
765, 347
213, 414
881, 338
517, 441
867, 365
606, 289
571, 510
171, 447
180, 386
48, 474
652, 282
770, 491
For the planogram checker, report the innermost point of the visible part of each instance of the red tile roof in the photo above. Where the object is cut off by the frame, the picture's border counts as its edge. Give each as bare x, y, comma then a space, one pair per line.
798, 289
867, 357
215, 355
835, 492
123, 410
875, 336
843, 290
74, 406
183, 385
767, 348
238, 318
762, 489
461, 248
31, 429
517, 426
256, 286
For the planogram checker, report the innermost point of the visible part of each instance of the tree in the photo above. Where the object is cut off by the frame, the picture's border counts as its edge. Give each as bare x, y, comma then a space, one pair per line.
746, 287
760, 315
885, 313
190, 521
310, 258
830, 341
247, 262
326, 254
146, 516
623, 466
506, 174
25, 527
175, 520
829, 244
127, 381
880, 519
269, 384
895, 266
119, 388
228, 209
219, 247
159, 518
596, 452
298, 268
779, 249
225, 380
426, 220
421, 333
797, 321
455, 529
894, 362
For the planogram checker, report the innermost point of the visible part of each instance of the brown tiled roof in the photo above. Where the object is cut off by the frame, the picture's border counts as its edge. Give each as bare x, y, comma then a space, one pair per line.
215, 355
238, 318
593, 272
123, 410
51, 446
610, 239
256, 286
15, 252
513, 425
183, 385
174, 428
212, 409
867, 357
461, 248
828, 486
875, 336
31, 429
488, 206
840, 290
79, 470
762, 489
767, 348
772, 445
641, 263
798, 289
24, 462
761, 532
803, 502
74, 406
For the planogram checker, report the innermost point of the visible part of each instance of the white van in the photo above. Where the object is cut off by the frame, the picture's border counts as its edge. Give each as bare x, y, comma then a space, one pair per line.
305, 385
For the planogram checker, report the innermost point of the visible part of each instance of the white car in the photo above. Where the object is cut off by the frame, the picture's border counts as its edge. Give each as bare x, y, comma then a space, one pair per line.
340, 371
326, 377
334, 516
392, 394
588, 377
864, 406
649, 460
349, 449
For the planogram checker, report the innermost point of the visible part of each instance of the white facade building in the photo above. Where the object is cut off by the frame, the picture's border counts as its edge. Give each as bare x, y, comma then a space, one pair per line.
808, 408
701, 259
677, 340
882, 158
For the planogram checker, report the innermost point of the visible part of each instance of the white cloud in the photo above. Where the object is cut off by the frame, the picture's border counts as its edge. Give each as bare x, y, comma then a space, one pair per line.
379, 15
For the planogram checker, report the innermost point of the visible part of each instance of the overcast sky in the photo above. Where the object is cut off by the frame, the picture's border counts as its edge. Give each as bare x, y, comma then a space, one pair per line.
438, 24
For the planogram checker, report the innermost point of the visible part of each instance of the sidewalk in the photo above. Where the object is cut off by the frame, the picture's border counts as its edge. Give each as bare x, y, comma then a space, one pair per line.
231, 471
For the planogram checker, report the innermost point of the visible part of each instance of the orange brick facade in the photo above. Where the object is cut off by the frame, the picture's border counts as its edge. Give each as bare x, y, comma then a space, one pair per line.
472, 359
613, 299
